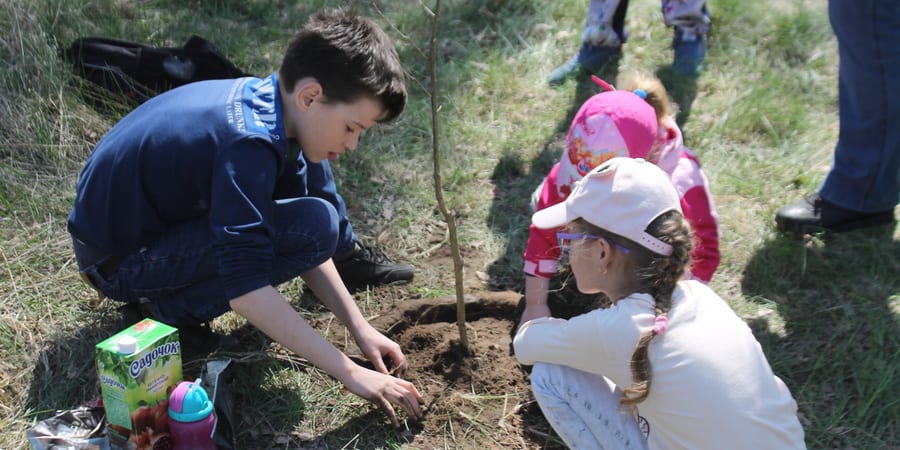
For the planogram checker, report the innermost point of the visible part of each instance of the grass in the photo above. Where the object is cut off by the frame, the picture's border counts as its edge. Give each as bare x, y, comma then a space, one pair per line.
762, 119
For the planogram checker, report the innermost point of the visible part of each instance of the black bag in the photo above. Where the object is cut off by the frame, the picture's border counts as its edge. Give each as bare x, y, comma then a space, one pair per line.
141, 71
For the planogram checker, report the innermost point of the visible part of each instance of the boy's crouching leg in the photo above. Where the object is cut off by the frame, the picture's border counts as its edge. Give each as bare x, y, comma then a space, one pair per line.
306, 235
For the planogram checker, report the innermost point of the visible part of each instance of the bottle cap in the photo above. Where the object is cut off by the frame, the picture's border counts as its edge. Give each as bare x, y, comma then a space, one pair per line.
189, 402
127, 345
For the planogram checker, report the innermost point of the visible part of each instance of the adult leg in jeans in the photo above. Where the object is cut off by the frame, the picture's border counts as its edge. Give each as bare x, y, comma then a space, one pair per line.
584, 410
861, 188
865, 174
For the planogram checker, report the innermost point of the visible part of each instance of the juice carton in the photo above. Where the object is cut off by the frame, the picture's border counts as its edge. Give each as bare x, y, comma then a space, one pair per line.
138, 368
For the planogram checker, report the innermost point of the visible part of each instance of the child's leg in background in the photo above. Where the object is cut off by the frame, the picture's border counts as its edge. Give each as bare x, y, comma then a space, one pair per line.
691, 22
584, 409
601, 39
601, 29
688, 16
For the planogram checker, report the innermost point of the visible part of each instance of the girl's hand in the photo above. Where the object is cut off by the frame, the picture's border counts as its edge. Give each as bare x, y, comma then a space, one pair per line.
536, 289
533, 312
386, 391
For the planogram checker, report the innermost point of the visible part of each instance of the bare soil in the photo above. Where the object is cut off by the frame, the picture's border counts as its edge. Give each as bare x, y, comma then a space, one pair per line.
481, 394
481, 391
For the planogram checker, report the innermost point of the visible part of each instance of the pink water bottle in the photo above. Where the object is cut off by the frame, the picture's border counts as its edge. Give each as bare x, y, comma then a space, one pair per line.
191, 417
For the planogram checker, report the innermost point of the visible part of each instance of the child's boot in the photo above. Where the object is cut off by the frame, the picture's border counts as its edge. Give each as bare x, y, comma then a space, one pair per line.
589, 60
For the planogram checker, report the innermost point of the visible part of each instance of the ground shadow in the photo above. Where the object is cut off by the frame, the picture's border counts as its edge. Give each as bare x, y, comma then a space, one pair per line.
835, 343
66, 369
369, 430
682, 91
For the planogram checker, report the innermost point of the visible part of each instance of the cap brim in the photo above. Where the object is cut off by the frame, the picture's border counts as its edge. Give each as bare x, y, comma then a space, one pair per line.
554, 216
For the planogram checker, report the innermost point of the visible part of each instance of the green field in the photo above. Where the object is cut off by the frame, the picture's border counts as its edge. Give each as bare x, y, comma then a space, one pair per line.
762, 119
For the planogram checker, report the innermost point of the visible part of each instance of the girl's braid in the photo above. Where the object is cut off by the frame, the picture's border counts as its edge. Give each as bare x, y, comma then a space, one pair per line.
659, 278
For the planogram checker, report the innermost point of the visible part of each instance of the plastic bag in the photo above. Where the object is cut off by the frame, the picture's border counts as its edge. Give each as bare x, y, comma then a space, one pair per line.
80, 428
215, 377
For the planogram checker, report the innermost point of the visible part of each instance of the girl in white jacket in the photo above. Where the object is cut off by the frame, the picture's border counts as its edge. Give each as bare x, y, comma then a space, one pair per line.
669, 365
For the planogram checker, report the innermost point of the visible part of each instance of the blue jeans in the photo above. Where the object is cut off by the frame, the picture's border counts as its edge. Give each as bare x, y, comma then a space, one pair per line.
865, 174
176, 275
321, 184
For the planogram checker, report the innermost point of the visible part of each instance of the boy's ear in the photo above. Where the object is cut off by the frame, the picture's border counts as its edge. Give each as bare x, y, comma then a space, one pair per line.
308, 92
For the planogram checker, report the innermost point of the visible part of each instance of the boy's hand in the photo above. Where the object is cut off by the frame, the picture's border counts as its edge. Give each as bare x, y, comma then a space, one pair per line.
386, 391
378, 348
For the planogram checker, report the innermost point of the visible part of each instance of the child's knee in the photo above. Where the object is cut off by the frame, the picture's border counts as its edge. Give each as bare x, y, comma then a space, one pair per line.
544, 378
308, 219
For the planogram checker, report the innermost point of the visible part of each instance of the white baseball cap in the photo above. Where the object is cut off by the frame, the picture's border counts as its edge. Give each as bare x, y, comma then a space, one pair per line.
622, 195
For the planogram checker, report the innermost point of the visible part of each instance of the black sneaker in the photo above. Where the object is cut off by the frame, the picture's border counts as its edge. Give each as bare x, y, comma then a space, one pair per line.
368, 266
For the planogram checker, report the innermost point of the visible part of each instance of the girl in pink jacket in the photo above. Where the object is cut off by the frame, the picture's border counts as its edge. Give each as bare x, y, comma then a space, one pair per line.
635, 122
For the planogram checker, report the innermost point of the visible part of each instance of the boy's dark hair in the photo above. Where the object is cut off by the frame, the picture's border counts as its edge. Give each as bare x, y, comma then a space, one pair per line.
350, 56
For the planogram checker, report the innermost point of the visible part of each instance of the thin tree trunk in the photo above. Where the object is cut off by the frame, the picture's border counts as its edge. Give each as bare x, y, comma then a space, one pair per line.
438, 189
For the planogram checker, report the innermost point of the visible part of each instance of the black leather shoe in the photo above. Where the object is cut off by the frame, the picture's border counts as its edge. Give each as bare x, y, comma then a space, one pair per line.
813, 214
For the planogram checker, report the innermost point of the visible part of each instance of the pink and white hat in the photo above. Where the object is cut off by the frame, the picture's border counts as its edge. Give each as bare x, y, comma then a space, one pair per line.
609, 124
622, 195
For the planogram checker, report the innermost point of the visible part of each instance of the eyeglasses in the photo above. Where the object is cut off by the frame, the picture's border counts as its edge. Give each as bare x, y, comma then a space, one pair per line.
564, 240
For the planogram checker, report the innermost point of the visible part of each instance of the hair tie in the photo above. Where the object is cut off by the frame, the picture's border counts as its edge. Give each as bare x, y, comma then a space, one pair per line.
640, 93
599, 82
659, 325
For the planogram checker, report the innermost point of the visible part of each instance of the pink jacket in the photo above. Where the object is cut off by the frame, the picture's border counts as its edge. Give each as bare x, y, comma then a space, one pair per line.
542, 252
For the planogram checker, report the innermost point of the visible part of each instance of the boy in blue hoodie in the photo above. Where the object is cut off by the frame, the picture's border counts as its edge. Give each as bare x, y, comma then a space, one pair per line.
207, 196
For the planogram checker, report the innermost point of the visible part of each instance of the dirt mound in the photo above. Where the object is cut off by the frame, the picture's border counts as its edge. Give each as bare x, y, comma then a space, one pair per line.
481, 395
